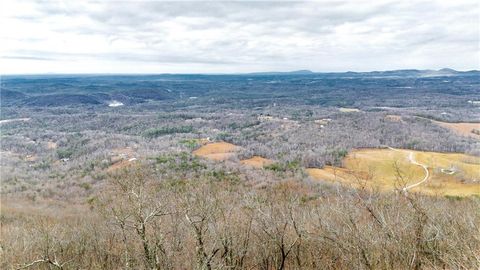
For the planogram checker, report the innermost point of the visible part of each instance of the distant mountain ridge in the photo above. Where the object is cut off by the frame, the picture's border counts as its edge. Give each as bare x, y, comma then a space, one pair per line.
104, 90
295, 72
386, 73
396, 72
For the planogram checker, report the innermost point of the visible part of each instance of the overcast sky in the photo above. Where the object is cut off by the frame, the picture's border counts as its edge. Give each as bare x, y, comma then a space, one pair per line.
227, 37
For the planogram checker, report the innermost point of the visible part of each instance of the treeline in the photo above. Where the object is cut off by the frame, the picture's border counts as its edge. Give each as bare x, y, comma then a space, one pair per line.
157, 132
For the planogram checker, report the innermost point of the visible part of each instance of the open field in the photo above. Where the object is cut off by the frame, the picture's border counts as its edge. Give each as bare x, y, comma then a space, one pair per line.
348, 110
463, 129
386, 169
217, 151
257, 162
471, 130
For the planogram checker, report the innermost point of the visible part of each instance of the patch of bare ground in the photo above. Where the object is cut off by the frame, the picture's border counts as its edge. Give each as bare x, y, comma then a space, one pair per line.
30, 158
217, 151
257, 162
323, 121
393, 118
127, 152
121, 164
121, 158
51, 145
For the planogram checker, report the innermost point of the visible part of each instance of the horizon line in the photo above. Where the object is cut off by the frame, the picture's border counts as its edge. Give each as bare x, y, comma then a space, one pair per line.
307, 72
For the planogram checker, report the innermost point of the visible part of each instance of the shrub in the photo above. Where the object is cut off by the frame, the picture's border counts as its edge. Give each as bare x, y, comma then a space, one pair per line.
190, 143
64, 153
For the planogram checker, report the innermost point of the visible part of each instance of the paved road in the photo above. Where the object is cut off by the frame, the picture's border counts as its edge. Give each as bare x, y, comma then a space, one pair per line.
411, 158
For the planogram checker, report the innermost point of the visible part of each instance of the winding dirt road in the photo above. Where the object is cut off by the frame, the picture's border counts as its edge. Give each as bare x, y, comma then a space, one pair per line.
411, 158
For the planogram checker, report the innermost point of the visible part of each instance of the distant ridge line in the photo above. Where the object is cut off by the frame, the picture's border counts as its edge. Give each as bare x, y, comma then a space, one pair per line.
385, 73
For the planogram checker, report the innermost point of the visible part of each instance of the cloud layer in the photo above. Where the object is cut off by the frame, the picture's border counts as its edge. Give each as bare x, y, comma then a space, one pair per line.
226, 37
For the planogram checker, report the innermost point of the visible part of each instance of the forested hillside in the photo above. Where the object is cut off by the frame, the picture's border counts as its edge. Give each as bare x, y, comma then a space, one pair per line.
299, 170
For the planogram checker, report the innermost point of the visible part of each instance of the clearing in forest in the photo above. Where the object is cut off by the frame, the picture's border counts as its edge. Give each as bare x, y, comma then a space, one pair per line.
121, 158
51, 145
348, 110
121, 164
393, 118
463, 129
427, 172
222, 151
257, 162
217, 151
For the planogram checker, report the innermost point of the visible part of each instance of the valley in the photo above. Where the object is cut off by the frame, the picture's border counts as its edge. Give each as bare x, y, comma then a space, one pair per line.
87, 159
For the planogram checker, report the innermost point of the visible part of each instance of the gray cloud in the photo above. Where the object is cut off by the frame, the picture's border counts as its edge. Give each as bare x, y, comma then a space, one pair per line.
24, 57
135, 57
245, 36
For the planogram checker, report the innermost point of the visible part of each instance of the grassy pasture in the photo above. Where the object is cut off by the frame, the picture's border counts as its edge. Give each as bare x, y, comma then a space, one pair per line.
449, 173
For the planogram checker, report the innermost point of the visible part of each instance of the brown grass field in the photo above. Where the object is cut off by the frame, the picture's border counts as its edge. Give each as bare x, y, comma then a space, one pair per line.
463, 129
257, 162
385, 169
217, 151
